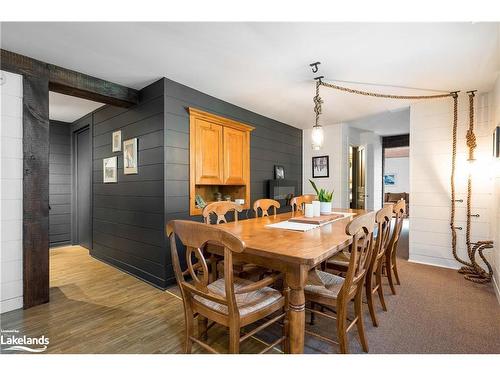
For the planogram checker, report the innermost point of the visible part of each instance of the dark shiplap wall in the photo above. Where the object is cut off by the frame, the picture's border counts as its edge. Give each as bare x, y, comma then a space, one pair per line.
128, 218
59, 183
271, 143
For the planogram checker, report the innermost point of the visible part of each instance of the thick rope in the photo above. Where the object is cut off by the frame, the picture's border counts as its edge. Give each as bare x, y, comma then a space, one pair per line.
378, 95
473, 271
317, 103
452, 181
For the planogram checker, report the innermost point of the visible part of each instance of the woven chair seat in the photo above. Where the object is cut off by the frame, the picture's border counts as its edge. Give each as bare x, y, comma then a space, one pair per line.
248, 303
339, 259
324, 284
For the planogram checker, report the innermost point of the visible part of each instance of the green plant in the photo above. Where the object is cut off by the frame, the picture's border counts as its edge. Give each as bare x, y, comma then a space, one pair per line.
323, 194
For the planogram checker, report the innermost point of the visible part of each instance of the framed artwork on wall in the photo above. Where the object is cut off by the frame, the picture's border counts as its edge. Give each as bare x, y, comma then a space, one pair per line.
130, 156
279, 172
117, 141
109, 168
320, 166
390, 179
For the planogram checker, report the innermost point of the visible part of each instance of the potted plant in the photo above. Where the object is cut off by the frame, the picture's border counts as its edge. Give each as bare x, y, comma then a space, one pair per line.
325, 197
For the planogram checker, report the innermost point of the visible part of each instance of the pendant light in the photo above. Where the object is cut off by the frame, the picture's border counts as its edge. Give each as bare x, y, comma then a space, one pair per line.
317, 135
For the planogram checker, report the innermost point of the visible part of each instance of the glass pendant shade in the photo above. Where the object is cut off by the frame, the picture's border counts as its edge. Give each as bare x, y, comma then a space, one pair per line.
317, 137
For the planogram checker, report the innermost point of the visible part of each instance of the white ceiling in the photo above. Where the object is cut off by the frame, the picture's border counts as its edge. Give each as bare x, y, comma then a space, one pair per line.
264, 67
69, 108
392, 122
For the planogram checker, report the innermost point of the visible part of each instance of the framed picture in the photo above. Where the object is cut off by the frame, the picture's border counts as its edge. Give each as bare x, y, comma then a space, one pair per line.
320, 166
130, 156
390, 179
279, 172
117, 141
109, 168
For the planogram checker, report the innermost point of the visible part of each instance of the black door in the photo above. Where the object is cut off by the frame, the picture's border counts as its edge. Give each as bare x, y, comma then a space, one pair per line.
83, 185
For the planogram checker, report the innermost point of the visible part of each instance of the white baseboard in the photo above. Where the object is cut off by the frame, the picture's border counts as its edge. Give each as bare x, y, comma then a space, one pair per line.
11, 304
434, 261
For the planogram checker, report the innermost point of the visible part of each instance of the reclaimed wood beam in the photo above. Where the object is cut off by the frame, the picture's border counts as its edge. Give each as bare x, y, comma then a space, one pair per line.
35, 174
70, 82
38, 78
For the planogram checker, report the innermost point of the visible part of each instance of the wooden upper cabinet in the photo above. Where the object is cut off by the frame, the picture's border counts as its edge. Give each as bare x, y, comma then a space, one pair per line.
209, 163
219, 158
236, 156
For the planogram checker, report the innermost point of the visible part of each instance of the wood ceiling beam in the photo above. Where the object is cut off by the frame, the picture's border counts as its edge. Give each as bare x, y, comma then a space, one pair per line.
70, 82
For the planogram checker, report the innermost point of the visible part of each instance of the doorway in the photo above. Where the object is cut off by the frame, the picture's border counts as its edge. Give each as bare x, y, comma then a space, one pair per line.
82, 187
357, 174
396, 181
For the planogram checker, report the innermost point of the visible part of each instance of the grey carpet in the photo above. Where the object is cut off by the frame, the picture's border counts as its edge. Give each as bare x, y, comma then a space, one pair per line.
435, 311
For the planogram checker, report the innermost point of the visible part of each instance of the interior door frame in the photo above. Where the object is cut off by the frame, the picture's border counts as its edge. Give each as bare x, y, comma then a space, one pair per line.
85, 123
363, 173
392, 141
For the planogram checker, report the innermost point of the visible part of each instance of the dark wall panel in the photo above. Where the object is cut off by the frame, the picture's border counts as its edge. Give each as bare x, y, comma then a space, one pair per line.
271, 143
59, 183
128, 219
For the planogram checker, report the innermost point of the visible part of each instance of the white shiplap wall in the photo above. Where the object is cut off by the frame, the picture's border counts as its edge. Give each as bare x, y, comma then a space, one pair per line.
495, 222
430, 169
11, 192
334, 146
338, 138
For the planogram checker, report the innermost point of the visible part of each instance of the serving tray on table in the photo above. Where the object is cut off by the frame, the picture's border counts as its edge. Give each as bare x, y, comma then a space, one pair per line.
318, 220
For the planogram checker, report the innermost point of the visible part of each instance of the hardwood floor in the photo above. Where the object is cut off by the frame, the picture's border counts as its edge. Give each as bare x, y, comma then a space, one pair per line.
95, 308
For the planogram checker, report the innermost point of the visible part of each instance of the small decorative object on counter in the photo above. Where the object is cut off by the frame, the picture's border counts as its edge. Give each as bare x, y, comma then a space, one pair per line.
239, 201
217, 197
309, 210
316, 208
227, 198
325, 198
200, 202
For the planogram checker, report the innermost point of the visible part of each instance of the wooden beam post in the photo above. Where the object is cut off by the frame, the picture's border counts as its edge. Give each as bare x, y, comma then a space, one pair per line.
38, 78
35, 175
69, 82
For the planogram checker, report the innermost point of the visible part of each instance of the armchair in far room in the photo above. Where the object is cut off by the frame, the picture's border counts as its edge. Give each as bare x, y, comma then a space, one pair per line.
392, 198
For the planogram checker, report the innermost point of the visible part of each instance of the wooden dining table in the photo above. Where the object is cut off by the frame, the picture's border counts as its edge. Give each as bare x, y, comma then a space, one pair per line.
294, 253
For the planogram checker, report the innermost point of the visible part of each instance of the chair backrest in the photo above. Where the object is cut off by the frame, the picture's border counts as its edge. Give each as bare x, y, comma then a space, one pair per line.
298, 202
399, 210
361, 228
194, 236
220, 209
383, 219
264, 205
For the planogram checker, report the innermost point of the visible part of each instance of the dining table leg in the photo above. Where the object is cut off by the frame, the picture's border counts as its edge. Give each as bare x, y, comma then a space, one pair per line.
296, 279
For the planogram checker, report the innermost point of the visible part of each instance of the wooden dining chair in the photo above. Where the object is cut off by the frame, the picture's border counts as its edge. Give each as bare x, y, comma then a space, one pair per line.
333, 293
229, 301
298, 202
220, 209
265, 205
373, 279
390, 264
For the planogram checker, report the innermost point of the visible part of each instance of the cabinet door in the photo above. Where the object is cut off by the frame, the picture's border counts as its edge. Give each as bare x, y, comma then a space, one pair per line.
208, 151
236, 153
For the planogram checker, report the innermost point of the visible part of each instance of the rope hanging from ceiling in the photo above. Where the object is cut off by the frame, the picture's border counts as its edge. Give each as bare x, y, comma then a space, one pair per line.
472, 270
379, 95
